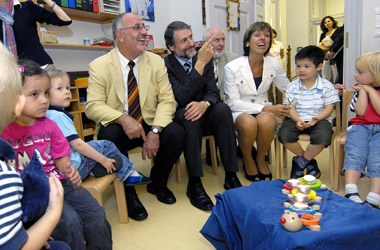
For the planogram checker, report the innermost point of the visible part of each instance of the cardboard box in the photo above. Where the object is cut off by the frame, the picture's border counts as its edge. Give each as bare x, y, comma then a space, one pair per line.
81, 82
49, 37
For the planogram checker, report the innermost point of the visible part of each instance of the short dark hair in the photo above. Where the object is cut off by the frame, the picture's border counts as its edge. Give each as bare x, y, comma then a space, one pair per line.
322, 24
30, 68
312, 53
274, 32
256, 26
170, 32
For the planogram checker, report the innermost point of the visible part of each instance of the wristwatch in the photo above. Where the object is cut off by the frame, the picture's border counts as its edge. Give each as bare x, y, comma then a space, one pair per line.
207, 103
155, 131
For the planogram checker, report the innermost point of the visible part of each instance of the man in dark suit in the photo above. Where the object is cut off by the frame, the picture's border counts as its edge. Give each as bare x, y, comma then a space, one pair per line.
199, 109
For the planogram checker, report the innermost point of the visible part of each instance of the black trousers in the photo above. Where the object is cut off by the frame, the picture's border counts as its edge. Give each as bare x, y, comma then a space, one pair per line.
217, 121
171, 145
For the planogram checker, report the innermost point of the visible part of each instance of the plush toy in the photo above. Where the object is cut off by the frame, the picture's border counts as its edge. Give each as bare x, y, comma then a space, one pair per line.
36, 191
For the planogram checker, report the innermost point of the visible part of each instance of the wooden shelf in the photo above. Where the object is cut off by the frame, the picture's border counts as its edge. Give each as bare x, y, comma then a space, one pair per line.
86, 16
76, 47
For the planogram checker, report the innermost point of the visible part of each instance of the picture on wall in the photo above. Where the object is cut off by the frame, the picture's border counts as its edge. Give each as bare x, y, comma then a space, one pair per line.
233, 15
144, 8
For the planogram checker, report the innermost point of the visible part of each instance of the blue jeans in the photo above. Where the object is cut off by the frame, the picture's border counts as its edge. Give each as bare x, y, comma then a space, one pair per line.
108, 149
58, 245
83, 223
362, 149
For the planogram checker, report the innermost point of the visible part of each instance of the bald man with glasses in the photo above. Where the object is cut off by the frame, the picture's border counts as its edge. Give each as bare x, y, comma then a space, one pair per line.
131, 100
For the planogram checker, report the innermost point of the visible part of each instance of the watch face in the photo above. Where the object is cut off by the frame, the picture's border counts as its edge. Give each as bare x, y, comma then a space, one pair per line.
155, 130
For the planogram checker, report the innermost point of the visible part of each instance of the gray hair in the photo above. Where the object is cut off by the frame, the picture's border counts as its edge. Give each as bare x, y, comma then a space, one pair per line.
117, 24
207, 35
171, 32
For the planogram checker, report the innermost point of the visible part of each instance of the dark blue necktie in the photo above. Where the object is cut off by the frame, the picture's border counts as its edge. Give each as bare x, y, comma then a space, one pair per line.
187, 67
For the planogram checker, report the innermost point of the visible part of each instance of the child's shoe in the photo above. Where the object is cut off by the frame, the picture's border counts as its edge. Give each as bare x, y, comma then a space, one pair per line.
371, 204
100, 171
354, 197
312, 169
137, 180
297, 171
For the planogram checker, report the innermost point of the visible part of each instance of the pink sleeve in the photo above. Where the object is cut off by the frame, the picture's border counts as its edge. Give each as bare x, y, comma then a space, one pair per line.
59, 145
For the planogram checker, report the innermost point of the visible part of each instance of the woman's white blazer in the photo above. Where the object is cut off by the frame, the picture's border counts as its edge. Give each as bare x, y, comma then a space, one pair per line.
240, 88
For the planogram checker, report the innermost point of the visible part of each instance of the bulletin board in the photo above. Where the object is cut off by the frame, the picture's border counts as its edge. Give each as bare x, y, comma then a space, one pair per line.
233, 15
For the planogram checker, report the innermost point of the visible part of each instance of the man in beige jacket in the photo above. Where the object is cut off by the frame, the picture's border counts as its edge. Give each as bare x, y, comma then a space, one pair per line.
109, 105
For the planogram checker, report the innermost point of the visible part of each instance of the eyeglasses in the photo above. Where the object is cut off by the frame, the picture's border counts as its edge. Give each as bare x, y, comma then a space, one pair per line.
137, 28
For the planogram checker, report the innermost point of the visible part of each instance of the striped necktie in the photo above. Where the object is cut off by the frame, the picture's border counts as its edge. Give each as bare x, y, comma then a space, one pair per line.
187, 67
216, 70
134, 109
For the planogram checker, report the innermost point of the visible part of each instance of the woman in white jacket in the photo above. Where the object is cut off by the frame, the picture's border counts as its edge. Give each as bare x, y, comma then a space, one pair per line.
246, 83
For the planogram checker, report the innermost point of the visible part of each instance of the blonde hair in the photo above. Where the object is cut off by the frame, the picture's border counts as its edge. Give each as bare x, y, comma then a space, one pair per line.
57, 73
10, 86
371, 62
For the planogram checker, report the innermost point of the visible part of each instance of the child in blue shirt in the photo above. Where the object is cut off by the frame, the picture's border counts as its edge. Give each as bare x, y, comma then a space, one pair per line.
97, 157
312, 101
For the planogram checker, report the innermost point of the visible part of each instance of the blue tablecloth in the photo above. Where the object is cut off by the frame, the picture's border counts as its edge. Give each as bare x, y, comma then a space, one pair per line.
249, 218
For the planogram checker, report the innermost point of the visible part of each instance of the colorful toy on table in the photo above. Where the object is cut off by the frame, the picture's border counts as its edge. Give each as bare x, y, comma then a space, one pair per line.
293, 222
307, 180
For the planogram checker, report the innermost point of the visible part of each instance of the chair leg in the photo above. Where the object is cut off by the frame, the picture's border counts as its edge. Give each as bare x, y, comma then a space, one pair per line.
214, 161
277, 150
177, 167
121, 201
338, 158
270, 155
331, 163
284, 157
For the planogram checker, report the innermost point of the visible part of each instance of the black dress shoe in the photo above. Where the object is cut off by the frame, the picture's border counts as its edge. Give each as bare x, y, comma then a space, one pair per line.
198, 197
231, 182
251, 177
163, 194
136, 210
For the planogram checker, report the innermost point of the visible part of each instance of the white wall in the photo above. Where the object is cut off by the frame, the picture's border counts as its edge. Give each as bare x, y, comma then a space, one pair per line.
297, 25
166, 11
369, 41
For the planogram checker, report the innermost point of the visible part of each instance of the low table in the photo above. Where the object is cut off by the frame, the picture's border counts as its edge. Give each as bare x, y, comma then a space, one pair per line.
249, 218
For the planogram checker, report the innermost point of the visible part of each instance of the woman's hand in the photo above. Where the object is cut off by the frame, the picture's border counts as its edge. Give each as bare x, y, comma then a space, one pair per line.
279, 110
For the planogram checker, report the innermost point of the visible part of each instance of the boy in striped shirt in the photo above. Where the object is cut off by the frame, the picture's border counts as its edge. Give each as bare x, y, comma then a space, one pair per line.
312, 101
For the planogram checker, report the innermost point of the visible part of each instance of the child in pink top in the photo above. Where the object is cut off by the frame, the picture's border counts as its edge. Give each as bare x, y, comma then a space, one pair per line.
45, 138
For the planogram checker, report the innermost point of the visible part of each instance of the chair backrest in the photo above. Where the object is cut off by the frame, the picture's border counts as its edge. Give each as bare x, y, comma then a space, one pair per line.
341, 122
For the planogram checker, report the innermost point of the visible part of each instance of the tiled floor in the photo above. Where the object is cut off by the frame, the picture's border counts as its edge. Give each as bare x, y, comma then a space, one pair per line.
177, 226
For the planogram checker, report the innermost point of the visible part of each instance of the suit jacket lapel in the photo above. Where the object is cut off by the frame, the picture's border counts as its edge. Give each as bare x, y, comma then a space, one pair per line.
247, 73
221, 64
177, 68
145, 70
117, 76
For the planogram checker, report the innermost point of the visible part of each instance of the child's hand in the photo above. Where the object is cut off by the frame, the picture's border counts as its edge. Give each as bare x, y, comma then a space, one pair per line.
72, 173
301, 125
56, 193
339, 87
357, 86
311, 123
108, 164
366, 88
